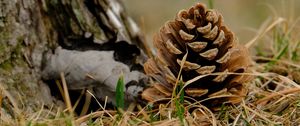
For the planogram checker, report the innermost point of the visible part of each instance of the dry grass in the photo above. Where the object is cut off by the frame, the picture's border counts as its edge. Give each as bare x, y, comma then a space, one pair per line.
273, 97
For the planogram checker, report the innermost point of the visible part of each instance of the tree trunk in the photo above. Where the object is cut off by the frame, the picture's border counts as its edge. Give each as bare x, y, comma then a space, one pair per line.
29, 28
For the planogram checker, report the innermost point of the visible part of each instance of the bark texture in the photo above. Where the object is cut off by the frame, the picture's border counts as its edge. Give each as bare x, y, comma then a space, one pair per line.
31, 28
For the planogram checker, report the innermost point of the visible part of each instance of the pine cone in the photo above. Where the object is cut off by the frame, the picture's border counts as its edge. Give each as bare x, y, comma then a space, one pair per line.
211, 48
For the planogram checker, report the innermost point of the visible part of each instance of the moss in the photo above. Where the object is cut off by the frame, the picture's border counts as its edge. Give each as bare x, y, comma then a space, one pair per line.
6, 65
4, 35
18, 48
16, 56
2, 48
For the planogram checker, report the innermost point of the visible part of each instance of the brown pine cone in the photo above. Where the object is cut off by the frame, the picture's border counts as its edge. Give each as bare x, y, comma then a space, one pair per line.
211, 48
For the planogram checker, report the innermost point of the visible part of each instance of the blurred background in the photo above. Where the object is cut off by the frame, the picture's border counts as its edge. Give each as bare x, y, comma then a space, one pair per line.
244, 17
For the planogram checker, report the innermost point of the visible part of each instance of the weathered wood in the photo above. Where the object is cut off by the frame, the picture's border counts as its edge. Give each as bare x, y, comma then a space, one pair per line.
29, 28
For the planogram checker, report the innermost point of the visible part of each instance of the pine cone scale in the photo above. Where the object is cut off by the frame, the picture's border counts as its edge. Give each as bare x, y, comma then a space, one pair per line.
197, 46
220, 39
212, 34
205, 29
206, 70
172, 48
196, 92
210, 54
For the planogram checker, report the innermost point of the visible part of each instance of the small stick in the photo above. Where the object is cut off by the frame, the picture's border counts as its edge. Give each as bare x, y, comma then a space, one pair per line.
66, 93
92, 115
86, 104
287, 91
259, 115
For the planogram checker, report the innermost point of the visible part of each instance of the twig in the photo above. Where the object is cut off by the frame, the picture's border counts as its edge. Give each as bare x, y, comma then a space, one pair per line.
100, 104
86, 105
66, 93
142, 111
78, 99
287, 91
92, 115
261, 116
276, 60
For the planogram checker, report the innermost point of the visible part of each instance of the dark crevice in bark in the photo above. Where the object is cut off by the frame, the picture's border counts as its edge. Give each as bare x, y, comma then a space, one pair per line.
97, 10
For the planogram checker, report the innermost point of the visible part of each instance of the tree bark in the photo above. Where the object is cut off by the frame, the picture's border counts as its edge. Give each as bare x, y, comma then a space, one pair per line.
29, 28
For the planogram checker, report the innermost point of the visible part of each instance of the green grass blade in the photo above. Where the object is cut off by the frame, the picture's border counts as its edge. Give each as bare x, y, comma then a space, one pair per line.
211, 4
277, 57
179, 102
295, 55
281, 48
120, 93
181, 95
282, 52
